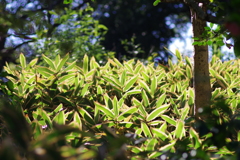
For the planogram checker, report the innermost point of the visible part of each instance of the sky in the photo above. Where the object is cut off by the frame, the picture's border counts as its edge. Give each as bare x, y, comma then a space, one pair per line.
186, 48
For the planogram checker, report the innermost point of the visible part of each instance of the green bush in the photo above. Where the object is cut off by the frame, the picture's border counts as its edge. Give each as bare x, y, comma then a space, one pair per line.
117, 111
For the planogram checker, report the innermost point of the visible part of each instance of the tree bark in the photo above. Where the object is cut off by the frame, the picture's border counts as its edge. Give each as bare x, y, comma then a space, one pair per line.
201, 78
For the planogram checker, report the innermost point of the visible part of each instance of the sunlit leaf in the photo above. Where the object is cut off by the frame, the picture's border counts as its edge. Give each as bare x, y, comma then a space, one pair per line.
160, 100
157, 112
194, 135
168, 146
127, 113
180, 131
85, 64
105, 110
130, 83
146, 130
60, 118
159, 134
22, 61
168, 119
62, 62
49, 62
153, 85
145, 99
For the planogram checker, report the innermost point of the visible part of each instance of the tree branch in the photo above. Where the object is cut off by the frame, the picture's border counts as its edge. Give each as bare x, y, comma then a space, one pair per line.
10, 50
200, 13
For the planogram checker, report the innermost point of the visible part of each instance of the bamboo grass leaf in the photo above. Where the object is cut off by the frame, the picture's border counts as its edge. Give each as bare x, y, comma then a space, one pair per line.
62, 62
130, 83
180, 131
154, 114
127, 113
169, 120
85, 64
60, 118
105, 110
22, 61
146, 130
49, 62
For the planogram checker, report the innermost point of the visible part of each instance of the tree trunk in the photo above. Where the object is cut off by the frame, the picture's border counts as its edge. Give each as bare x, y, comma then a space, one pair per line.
201, 79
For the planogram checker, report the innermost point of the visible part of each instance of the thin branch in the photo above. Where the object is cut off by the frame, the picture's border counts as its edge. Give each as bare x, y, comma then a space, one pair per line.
10, 50
200, 13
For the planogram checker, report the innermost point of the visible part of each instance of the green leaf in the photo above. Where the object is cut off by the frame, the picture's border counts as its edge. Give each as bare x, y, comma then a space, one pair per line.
145, 98
93, 64
168, 146
209, 42
196, 43
168, 119
64, 100
70, 66
178, 55
155, 3
115, 106
144, 86
58, 109
113, 82
194, 135
157, 112
85, 90
185, 112
37, 129
123, 77
211, 25
77, 119
57, 60
150, 145
130, 83
118, 63
139, 106
60, 118
104, 109
220, 43
146, 130
33, 62
160, 100
163, 127
157, 133
62, 63
66, 78
22, 61
180, 131
188, 72
131, 92
155, 155
153, 85
207, 28
46, 72
188, 61
127, 113
46, 117
86, 116
67, 1
85, 64
108, 101
49, 62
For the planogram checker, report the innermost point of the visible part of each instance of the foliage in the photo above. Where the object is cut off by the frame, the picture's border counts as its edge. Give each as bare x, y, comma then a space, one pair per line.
78, 34
225, 17
50, 27
117, 111
149, 25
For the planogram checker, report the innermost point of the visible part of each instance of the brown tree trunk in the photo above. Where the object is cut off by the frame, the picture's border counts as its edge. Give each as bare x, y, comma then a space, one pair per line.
201, 79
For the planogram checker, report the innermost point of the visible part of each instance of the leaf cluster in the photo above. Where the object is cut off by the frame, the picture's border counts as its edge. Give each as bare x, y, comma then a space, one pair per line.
117, 111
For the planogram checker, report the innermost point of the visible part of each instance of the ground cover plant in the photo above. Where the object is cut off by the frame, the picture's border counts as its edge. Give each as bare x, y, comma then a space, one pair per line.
117, 111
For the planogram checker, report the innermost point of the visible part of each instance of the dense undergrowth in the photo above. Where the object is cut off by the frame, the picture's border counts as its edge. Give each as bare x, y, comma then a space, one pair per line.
117, 111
